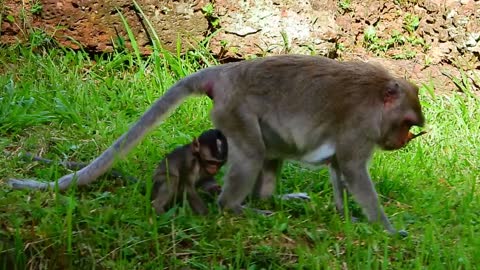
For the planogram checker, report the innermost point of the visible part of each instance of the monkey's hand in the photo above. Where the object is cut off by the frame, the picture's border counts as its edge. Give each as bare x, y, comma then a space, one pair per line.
213, 189
301, 195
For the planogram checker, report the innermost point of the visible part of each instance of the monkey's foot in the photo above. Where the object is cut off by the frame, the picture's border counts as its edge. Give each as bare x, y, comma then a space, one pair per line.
401, 233
213, 189
301, 195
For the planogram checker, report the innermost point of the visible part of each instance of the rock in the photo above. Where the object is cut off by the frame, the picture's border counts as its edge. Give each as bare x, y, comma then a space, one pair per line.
475, 49
441, 52
260, 27
430, 19
472, 39
454, 33
426, 29
94, 23
443, 35
430, 6
452, 13
250, 27
450, 3
459, 39
473, 25
460, 21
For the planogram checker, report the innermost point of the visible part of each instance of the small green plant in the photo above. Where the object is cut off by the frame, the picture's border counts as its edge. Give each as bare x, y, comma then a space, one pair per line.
345, 6
38, 38
396, 40
23, 16
223, 43
36, 8
10, 18
286, 44
340, 46
208, 9
209, 12
370, 34
119, 44
405, 55
411, 22
372, 41
416, 40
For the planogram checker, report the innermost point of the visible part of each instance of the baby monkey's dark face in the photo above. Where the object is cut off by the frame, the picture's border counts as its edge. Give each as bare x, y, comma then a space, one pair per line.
211, 166
213, 151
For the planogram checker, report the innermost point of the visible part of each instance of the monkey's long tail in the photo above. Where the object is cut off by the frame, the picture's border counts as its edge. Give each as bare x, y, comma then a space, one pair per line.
72, 165
149, 120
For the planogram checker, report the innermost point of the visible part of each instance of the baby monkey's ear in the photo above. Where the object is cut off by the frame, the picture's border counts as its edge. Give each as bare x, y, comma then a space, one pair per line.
195, 145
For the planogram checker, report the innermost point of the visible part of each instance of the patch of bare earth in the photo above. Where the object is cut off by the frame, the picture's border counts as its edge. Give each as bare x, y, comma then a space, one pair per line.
426, 41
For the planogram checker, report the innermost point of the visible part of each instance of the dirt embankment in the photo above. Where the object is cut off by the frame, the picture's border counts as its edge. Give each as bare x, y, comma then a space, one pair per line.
425, 40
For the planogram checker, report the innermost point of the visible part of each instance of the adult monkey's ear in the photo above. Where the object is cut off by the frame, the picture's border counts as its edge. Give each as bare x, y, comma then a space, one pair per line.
391, 94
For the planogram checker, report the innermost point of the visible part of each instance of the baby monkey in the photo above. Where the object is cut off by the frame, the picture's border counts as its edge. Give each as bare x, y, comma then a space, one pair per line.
187, 168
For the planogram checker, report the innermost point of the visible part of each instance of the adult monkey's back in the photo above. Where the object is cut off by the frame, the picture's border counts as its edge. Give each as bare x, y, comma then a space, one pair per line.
306, 108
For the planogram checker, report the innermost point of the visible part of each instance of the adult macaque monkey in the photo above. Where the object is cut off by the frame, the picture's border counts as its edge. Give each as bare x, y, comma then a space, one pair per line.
188, 167
307, 108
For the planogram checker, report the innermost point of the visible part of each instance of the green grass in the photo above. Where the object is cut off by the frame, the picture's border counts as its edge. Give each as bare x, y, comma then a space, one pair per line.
64, 105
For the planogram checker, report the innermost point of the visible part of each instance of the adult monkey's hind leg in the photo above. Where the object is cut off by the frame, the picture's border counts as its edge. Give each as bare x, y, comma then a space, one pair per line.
245, 156
266, 181
266, 184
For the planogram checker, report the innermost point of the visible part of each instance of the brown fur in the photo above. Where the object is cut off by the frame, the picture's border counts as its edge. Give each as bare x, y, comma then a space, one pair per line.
183, 170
